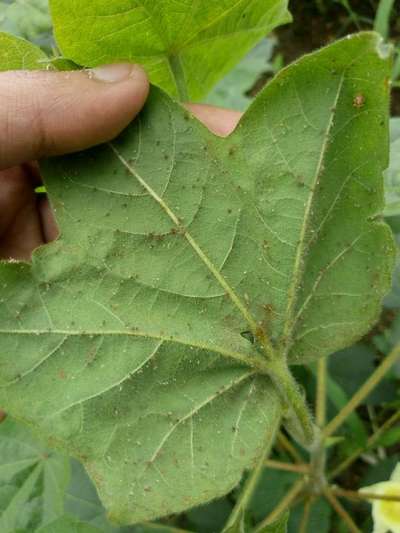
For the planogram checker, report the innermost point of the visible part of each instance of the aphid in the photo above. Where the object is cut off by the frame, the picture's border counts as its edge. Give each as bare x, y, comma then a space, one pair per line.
359, 101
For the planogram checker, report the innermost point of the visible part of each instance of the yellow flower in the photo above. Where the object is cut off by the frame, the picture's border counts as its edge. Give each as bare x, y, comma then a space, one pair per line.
386, 514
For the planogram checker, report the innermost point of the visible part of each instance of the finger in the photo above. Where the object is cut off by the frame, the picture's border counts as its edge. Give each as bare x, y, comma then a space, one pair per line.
49, 113
48, 220
20, 224
220, 121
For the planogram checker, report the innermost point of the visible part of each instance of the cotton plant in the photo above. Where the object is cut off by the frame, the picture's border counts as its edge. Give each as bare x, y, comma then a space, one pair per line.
386, 514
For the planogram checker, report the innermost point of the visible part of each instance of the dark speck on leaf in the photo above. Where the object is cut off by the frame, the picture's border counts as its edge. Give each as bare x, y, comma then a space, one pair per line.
248, 335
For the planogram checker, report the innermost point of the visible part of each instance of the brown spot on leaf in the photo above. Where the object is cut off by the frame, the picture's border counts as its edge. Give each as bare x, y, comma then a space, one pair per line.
359, 101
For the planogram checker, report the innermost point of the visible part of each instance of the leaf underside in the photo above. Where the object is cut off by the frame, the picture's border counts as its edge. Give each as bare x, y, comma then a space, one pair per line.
204, 40
124, 341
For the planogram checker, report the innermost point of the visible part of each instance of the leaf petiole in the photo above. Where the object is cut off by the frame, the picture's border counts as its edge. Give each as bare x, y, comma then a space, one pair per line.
178, 73
287, 386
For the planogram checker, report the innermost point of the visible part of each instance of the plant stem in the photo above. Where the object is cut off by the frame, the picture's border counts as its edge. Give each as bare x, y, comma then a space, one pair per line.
363, 392
353, 495
178, 73
318, 453
370, 444
282, 506
320, 414
287, 467
286, 384
291, 450
248, 489
340, 510
306, 516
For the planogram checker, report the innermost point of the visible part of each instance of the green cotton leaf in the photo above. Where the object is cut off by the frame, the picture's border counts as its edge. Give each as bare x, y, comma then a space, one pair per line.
29, 19
32, 480
280, 526
199, 42
16, 54
68, 524
130, 335
390, 438
231, 91
392, 175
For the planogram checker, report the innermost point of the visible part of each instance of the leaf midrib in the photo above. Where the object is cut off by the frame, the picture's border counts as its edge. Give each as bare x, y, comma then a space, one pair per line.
302, 248
198, 250
246, 359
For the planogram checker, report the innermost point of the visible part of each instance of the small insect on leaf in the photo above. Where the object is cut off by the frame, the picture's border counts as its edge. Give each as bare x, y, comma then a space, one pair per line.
359, 101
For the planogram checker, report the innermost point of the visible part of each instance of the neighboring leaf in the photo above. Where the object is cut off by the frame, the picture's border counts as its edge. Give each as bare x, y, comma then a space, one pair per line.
130, 334
231, 91
351, 367
319, 520
392, 175
29, 19
383, 16
236, 522
16, 53
280, 526
270, 491
211, 517
197, 41
391, 437
392, 300
68, 524
82, 502
32, 480
381, 471
394, 129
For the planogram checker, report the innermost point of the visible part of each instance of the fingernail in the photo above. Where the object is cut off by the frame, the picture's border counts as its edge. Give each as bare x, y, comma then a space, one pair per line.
113, 73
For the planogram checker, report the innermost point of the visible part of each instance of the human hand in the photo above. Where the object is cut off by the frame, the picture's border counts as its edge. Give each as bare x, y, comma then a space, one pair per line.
48, 113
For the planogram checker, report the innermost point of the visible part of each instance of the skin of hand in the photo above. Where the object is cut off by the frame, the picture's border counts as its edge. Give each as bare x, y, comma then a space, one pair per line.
52, 113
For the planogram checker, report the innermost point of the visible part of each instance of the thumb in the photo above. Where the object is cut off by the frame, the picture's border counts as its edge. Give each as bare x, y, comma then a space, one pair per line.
49, 113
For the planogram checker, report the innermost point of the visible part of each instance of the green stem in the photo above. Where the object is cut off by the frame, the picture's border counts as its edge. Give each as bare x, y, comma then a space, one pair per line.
363, 392
318, 452
341, 511
286, 384
306, 516
178, 73
370, 444
320, 411
287, 467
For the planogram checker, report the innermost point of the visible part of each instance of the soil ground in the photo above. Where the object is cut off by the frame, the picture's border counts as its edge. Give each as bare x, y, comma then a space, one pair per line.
314, 26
